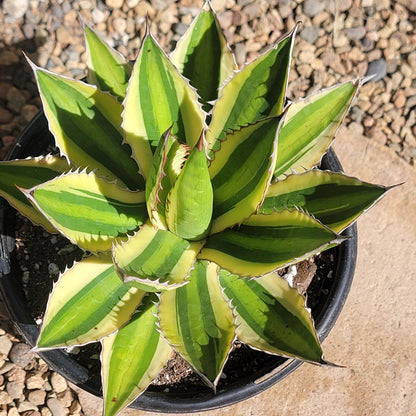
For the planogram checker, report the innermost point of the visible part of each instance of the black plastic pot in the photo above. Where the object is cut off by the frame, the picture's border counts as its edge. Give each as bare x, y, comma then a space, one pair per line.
34, 139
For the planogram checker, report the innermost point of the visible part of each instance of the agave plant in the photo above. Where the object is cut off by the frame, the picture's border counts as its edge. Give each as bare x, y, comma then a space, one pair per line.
188, 183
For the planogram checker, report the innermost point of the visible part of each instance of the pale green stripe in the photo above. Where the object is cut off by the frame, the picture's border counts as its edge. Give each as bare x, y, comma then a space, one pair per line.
88, 129
26, 175
334, 199
84, 310
90, 213
273, 323
256, 92
245, 169
159, 257
155, 80
132, 358
194, 306
307, 122
109, 70
203, 58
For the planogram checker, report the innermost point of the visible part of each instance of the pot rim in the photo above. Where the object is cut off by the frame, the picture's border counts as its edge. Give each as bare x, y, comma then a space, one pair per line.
154, 401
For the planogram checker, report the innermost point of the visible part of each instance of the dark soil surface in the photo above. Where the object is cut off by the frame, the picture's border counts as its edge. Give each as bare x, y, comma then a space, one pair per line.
41, 257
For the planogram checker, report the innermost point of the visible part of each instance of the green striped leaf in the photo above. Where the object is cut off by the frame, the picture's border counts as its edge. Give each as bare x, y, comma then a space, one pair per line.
27, 173
241, 172
88, 210
107, 68
256, 92
88, 302
198, 322
310, 126
132, 358
158, 98
272, 316
265, 243
333, 198
189, 203
86, 125
203, 56
168, 160
156, 259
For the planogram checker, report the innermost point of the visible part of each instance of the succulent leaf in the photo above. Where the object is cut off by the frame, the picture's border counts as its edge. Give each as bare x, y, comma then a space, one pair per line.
88, 302
310, 126
107, 69
158, 97
333, 198
88, 210
203, 56
198, 322
156, 259
168, 160
132, 358
189, 203
256, 92
241, 172
272, 316
265, 243
86, 124
27, 173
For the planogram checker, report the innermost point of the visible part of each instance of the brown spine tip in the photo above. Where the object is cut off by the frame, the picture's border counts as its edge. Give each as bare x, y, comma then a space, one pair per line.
201, 142
147, 24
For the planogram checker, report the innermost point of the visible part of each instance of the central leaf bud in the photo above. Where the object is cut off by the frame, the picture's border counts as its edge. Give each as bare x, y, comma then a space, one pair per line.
190, 201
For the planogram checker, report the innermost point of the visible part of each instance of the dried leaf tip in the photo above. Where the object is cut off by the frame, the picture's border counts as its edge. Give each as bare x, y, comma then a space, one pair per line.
147, 25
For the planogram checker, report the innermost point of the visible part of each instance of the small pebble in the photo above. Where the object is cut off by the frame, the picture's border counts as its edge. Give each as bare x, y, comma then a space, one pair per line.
15, 9
34, 382
25, 407
5, 345
15, 389
115, 4
313, 7
377, 68
20, 354
37, 397
15, 100
5, 398
53, 269
56, 407
58, 383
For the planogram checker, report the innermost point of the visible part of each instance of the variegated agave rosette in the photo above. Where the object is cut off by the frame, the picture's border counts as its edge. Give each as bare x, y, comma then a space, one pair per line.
191, 183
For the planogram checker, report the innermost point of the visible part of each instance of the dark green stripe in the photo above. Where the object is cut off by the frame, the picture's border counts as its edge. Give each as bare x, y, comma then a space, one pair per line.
206, 356
330, 203
152, 127
184, 317
166, 248
144, 338
109, 73
109, 201
79, 213
250, 299
90, 131
294, 136
253, 158
282, 166
203, 58
24, 176
270, 75
85, 309
153, 59
269, 245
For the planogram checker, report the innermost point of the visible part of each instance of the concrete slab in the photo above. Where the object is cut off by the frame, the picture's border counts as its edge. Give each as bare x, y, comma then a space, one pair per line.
376, 332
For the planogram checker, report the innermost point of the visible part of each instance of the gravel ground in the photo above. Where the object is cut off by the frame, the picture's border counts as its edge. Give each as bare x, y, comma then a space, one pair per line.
338, 40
